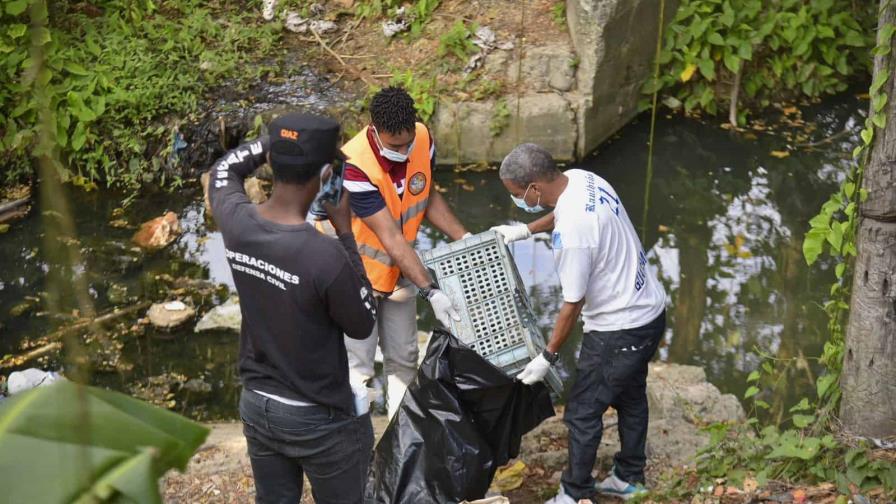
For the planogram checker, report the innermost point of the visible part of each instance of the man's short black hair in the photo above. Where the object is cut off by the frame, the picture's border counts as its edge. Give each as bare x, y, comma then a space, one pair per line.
296, 174
392, 110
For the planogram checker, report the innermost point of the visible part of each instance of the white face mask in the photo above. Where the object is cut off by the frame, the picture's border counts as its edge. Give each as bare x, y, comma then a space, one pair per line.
390, 154
521, 202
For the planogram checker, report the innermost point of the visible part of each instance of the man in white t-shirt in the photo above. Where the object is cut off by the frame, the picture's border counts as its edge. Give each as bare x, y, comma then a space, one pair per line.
604, 277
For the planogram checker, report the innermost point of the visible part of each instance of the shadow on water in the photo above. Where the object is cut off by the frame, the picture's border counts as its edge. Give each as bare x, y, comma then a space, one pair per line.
725, 226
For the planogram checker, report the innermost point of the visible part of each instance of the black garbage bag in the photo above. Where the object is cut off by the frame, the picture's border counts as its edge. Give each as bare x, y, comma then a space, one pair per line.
459, 421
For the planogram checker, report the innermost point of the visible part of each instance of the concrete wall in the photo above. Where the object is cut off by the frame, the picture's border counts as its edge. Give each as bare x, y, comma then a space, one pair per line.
576, 92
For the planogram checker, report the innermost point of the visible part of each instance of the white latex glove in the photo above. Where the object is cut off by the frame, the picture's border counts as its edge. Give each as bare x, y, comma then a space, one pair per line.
535, 370
267, 10
443, 308
512, 233
466, 235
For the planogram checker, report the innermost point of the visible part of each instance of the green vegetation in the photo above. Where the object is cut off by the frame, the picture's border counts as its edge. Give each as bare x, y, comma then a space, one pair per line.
756, 52
72, 443
458, 41
420, 11
117, 80
500, 118
807, 446
421, 90
558, 13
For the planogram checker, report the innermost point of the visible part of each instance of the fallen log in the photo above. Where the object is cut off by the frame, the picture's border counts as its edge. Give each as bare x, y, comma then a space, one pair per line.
12, 205
54, 338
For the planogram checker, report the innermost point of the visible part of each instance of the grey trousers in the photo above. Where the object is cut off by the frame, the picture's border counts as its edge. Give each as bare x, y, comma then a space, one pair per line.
395, 332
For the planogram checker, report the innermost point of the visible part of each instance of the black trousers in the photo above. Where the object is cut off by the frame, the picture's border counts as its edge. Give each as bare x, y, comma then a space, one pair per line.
612, 371
332, 447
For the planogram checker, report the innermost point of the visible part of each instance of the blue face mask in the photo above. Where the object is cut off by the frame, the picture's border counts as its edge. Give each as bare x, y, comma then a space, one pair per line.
521, 202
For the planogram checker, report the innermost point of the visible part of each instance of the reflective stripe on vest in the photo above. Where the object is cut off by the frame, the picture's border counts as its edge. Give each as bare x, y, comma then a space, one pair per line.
407, 210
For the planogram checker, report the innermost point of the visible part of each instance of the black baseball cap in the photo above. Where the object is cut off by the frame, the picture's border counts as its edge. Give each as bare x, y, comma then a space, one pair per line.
302, 139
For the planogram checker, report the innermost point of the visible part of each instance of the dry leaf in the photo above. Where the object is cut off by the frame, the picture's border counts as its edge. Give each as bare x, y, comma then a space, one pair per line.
780, 153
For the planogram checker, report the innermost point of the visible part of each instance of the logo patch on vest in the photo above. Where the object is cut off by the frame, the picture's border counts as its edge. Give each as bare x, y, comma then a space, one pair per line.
417, 183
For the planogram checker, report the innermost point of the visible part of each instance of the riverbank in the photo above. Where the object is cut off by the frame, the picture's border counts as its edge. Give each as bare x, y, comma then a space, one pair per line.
681, 402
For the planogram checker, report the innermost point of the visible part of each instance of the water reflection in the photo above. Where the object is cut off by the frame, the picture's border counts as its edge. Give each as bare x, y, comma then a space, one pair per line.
725, 224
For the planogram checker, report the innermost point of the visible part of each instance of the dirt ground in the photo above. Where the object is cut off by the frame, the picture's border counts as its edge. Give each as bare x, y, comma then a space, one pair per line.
358, 50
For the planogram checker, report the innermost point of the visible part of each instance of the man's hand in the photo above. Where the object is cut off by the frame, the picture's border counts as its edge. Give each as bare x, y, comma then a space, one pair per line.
340, 215
443, 308
512, 233
535, 370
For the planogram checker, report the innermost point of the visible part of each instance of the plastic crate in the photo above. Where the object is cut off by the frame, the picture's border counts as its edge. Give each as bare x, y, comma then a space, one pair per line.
497, 322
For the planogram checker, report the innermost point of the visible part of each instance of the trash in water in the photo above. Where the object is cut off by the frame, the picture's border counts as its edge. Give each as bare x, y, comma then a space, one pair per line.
20, 381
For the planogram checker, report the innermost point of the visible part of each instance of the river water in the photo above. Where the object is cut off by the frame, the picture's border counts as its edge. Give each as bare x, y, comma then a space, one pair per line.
724, 231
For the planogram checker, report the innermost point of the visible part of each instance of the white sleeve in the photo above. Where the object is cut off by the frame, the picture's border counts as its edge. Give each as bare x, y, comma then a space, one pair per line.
574, 269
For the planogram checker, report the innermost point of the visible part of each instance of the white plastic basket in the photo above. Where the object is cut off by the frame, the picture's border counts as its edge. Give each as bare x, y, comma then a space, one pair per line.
480, 276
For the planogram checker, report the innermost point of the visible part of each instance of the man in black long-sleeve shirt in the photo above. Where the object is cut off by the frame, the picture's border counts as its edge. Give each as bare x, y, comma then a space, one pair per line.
299, 292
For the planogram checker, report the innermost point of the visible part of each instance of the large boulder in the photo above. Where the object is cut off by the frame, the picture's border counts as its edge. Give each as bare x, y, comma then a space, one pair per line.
616, 43
681, 402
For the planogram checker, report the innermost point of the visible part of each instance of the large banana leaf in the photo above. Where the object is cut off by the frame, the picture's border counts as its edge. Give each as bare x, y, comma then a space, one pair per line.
72, 443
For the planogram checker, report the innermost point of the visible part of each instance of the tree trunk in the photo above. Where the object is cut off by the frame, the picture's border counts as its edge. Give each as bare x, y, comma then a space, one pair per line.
869, 365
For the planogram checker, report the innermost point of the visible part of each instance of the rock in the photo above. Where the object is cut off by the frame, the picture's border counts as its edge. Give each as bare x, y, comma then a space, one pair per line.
20, 381
681, 402
158, 233
321, 26
169, 315
295, 23
545, 118
615, 41
224, 317
198, 385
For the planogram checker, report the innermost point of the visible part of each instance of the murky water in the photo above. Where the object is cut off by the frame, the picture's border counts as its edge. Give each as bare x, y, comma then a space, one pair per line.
724, 230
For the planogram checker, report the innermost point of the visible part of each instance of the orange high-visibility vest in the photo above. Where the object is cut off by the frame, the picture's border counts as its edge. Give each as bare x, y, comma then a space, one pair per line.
407, 210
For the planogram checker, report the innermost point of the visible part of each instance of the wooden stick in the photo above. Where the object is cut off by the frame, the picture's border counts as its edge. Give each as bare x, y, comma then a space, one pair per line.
12, 205
57, 335
735, 91
340, 60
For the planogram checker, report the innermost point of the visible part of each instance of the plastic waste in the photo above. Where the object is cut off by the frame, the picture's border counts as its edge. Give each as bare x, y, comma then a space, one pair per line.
459, 421
20, 381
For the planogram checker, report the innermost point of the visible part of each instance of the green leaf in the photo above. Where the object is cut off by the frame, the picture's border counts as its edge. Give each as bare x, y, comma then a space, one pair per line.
732, 62
16, 30
790, 446
40, 36
761, 404
715, 39
754, 376
803, 421
879, 102
74, 68
823, 384
839, 269
79, 136
751, 391
803, 405
879, 120
878, 82
707, 68
813, 245
835, 236
867, 135
16, 7
122, 445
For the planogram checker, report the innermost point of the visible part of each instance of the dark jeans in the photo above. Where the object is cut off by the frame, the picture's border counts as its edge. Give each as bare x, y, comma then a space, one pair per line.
332, 447
612, 371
